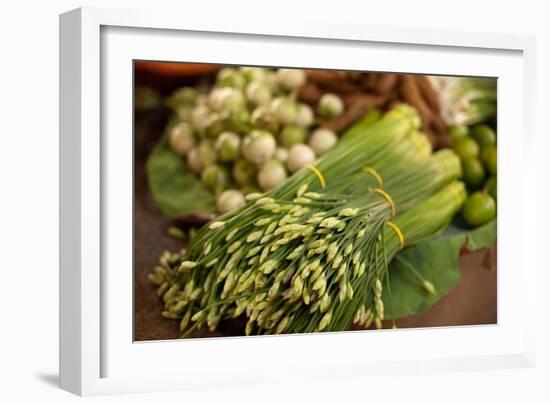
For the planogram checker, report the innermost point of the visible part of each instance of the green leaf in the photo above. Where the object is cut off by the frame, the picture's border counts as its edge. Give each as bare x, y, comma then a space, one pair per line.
176, 190
436, 260
482, 237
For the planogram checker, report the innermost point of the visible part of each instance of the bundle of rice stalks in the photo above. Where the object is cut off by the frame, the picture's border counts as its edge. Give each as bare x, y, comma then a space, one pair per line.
313, 254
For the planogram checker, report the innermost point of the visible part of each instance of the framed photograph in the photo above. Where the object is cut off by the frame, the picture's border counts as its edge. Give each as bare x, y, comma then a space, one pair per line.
247, 203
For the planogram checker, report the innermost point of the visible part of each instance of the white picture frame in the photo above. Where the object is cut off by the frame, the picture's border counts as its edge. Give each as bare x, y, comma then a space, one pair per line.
97, 352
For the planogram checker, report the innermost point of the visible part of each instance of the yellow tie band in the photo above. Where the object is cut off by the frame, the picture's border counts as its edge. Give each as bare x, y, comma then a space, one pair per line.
318, 173
398, 233
388, 198
376, 175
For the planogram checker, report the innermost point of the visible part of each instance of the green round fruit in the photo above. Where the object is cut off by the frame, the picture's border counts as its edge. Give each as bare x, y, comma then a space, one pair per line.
244, 172
489, 158
286, 110
291, 135
215, 177
484, 135
466, 148
207, 152
215, 125
229, 200
227, 145
229, 77
473, 172
254, 73
330, 106
479, 209
233, 101
271, 175
258, 93
458, 132
491, 187
264, 117
259, 146
239, 121
186, 96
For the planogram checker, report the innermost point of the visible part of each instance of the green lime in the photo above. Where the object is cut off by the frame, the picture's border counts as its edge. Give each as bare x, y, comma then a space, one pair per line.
484, 135
491, 186
466, 148
473, 172
489, 158
458, 132
479, 209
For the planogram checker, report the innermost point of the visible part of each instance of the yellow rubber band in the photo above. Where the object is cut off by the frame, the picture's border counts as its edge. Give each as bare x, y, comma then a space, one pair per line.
318, 173
388, 198
398, 233
376, 175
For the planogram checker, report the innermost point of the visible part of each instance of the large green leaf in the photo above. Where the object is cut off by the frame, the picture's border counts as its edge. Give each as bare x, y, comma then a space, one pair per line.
475, 239
176, 190
436, 260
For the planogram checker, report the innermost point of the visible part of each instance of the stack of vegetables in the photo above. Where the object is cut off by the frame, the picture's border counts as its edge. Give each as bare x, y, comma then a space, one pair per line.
248, 132
313, 253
